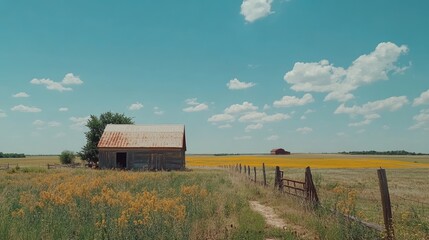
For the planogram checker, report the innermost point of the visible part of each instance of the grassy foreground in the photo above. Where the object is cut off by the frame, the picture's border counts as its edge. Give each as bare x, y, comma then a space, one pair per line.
93, 204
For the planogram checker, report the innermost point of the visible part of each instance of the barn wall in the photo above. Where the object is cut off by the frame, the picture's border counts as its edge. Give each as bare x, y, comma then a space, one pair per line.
147, 159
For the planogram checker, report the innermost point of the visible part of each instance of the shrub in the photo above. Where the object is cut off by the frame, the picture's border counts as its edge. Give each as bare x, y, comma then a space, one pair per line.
67, 157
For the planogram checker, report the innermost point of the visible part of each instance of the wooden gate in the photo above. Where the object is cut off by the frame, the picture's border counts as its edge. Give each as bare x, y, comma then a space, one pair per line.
305, 190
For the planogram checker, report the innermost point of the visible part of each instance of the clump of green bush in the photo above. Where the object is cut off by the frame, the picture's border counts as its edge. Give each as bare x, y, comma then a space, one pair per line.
67, 157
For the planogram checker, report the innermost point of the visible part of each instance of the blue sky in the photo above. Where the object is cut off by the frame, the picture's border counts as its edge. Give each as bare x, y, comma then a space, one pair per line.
243, 76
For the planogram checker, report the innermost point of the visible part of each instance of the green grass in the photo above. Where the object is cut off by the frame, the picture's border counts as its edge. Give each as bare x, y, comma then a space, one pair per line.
93, 204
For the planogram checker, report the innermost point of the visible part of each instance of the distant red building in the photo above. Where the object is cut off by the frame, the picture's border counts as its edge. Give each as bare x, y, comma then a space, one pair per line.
279, 151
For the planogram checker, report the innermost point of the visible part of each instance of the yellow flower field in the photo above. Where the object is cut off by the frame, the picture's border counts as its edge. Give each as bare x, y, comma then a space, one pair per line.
88, 204
304, 160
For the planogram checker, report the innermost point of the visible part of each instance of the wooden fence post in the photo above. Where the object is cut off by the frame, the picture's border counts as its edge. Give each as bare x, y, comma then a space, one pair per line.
263, 172
254, 170
277, 177
248, 171
385, 201
240, 167
311, 193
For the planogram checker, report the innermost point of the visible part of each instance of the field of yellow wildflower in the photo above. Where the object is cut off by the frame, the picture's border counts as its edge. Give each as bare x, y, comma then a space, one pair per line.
90, 204
312, 160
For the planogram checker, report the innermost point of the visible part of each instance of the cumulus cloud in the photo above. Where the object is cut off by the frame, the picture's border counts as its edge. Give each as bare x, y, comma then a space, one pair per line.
23, 108
390, 104
225, 126
69, 79
223, 117
41, 124
422, 99
421, 120
262, 117
304, 130
78, 123
291, 101
254, 127
339, 83
266, 107
272, 138
367, 120
197, 108
63, 109
253, 10
21, 95
194, 105
235, 84
135, 106
370, 110
238, 108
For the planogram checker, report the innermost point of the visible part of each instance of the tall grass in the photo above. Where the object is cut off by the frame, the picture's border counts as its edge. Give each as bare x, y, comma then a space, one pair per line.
85, 204
90, 204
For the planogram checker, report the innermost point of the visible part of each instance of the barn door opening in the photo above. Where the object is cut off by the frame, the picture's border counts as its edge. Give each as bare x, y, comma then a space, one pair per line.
121, 160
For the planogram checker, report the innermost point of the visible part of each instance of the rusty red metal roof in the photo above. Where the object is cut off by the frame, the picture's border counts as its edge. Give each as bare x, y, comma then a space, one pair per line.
143, 136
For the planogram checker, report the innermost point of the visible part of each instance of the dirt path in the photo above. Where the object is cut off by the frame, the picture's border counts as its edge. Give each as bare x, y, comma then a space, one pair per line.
273, 220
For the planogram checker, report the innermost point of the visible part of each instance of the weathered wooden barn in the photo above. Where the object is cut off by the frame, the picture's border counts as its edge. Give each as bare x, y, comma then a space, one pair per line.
146, 147
279, 151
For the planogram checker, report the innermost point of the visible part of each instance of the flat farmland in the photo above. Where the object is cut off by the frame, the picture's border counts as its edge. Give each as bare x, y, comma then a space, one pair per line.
326, 161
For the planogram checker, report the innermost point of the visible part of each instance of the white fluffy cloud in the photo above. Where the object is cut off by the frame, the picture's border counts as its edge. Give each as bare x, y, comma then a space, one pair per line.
51, 85
290, 101
225, 126
262, 117
272, 138
135, 106
223, 117
254, 127
63, 109
255, 9
370, 110
367, 120
23, 108
78, 123
422, 99
238, 108
21, 95
390, 104
41, 124
195, 106
339, 82
69, 79
421, 120
235, 84
304, 130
